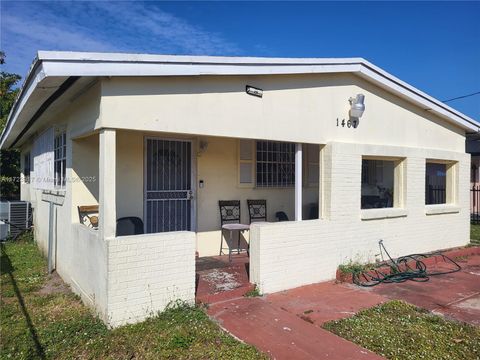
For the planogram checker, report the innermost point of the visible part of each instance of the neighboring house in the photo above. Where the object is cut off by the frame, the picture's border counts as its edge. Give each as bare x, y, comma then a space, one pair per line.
473, 148
164, 138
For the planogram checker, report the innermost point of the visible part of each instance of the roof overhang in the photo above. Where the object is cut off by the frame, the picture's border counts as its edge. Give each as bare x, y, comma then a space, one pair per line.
53, 72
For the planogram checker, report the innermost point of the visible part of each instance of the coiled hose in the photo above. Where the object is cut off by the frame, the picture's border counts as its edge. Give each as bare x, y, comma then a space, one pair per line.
401, 271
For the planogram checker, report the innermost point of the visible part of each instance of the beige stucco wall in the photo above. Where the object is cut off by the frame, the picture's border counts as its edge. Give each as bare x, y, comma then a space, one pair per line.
299, 108
76, 253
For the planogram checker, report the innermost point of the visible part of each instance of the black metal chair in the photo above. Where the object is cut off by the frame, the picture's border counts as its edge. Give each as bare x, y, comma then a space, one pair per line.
230, 221
130, 225
281, 216
257, 210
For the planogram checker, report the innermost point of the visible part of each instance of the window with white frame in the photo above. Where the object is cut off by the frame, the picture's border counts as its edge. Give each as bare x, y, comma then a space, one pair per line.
265, 163
275, 164
60, 159
49, 160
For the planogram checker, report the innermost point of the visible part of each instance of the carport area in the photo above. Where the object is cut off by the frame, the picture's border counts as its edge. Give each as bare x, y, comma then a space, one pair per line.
289, 322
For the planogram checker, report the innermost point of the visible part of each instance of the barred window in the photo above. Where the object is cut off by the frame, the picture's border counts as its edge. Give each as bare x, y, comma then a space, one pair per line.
60, 159
435, 183
275, 162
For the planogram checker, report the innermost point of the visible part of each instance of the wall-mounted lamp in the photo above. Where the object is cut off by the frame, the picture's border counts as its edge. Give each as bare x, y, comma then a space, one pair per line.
357, 106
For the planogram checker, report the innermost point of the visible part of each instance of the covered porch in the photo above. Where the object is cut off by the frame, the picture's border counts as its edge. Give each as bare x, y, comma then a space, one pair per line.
174, 182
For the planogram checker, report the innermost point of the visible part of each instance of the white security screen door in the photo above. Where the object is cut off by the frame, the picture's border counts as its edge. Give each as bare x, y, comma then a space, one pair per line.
168, 185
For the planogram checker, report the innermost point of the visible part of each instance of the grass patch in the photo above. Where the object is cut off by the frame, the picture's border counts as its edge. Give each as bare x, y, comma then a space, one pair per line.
253, 293
58, 326
355, 267
475, 234
397, 330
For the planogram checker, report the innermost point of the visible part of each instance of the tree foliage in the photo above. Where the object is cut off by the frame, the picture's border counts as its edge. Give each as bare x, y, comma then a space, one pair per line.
9, 159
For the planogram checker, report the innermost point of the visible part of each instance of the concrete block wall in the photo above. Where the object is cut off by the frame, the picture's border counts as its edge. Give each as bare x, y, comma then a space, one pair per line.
147, 272
290, 254
86, 271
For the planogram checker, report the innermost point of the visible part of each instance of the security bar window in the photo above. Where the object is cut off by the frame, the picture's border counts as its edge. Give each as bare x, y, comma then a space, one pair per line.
275, 164
435, 183
378, 183
60, 159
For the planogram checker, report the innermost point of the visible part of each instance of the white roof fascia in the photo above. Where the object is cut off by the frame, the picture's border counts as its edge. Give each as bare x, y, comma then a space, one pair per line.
33, 79
183, 69
66, 64
186, 59
421, 99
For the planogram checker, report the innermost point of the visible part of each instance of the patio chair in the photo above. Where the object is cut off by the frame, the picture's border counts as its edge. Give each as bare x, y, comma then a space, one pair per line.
230, 221
130, 225
85, 213
257, 210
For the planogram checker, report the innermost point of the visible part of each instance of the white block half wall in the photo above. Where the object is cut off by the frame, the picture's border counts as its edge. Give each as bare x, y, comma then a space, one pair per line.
147, 272
291, 254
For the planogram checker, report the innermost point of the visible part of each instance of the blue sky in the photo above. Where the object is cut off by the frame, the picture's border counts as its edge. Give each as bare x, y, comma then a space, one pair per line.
434, 46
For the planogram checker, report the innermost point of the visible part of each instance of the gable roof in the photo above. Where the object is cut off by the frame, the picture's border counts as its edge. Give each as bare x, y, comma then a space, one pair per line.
54, 72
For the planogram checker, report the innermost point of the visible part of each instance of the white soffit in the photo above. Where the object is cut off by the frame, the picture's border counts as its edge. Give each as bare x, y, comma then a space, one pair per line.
62, 65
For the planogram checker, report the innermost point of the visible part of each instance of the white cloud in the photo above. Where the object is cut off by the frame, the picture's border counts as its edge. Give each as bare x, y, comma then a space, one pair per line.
27, 27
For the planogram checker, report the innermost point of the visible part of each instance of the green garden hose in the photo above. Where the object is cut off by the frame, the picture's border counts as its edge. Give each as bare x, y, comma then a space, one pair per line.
400, 270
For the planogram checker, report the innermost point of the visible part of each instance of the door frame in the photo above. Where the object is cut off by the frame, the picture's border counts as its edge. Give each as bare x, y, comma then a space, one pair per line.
193, 180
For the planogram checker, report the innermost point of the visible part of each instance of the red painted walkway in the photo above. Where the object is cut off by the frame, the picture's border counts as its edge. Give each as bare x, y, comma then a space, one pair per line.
455, 296
287, 325
282, 334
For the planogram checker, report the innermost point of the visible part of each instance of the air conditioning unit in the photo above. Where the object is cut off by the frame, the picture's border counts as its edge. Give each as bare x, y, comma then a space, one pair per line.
15, 217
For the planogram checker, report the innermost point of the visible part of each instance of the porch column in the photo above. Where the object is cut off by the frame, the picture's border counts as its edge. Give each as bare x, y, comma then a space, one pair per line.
298, 182
107, 193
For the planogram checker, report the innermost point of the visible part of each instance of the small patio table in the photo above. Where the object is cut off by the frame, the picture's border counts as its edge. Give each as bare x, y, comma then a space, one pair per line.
232, 228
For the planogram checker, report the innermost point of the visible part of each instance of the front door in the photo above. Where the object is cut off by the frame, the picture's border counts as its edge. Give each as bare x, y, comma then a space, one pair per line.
168, 185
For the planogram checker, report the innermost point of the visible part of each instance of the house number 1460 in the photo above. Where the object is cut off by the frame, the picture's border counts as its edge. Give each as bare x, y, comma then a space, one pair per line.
348, 123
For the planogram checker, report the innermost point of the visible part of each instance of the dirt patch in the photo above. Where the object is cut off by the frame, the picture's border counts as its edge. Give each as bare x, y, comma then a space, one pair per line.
54, 285
221, 280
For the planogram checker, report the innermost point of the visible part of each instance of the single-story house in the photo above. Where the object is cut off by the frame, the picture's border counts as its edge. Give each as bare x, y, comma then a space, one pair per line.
345, 151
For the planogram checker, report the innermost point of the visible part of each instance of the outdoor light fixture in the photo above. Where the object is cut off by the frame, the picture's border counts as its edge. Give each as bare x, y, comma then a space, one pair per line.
357, 106
250, 90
